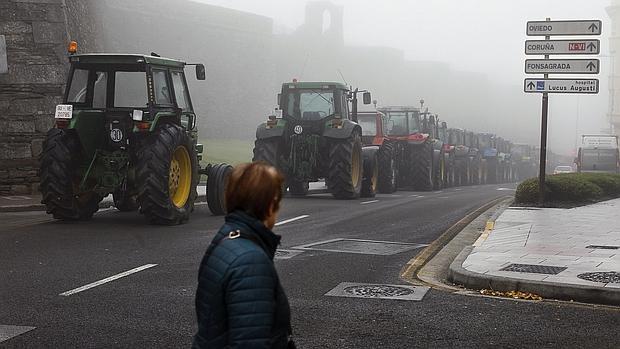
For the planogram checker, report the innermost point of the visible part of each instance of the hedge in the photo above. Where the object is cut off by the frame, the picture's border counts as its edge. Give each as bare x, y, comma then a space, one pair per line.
570, 189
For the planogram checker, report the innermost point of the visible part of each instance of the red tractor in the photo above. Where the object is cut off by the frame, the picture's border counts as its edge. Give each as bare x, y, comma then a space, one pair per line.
418, 153
374, 137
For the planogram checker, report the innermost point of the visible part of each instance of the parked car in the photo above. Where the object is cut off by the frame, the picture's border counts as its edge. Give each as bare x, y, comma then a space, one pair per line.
563, 169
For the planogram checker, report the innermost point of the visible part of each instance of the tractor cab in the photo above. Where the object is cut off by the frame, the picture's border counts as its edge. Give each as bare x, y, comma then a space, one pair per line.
404, 123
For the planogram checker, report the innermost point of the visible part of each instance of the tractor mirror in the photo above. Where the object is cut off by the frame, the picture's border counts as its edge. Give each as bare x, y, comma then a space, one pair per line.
279, 96
444, 124
201, 73
367, 98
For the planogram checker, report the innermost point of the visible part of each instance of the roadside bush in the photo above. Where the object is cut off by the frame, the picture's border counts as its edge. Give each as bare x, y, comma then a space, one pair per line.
570, 189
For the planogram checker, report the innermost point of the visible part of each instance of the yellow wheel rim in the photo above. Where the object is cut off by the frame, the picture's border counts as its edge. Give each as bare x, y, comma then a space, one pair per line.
356, 162
180, 177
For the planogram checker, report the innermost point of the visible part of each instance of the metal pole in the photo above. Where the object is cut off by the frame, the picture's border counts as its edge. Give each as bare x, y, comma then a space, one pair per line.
543, 140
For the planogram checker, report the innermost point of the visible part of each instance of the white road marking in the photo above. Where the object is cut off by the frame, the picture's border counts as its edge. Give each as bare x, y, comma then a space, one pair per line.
458, 189
7, 331
106, 209
202, 203
443, 197
106, 280
416, 196
368, 202
438, 192
506, 189
292, 220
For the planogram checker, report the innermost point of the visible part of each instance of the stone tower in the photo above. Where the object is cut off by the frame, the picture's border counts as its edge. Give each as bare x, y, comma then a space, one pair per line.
614, 78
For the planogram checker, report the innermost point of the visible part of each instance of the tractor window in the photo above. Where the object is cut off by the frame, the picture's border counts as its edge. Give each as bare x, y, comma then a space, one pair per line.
130, 90
180, 90
100, 93
397, 124
414, 122
310, 104
79, 86
369, 125
162, 90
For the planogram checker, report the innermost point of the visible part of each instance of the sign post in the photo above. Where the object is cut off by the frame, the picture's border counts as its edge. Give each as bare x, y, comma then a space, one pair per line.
548, 66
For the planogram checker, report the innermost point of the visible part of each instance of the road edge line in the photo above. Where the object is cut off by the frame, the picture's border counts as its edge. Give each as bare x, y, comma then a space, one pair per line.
106, 280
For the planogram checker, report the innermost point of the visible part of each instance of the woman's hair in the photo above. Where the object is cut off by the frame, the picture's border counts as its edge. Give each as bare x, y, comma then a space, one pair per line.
253, 188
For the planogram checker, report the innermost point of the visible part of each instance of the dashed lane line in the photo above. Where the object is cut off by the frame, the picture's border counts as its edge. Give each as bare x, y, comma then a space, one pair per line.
106, 280
292, 220
9, 331
368, 202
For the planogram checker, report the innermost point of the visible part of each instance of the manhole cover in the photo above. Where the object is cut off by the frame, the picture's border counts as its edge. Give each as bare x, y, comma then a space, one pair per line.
378, 291
534, 268
603, 247
610, 277
384, 248
286, 254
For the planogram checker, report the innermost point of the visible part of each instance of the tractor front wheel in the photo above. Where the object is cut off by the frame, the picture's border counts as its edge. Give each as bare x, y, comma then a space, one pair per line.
216, 188
168, 175
422, 162
371, 173
346, 170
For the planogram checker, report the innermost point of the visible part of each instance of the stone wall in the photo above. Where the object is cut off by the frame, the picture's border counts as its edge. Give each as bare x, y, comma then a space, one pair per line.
36, 34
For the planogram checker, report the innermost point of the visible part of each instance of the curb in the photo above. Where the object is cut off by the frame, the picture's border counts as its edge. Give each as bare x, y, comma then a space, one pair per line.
550, 290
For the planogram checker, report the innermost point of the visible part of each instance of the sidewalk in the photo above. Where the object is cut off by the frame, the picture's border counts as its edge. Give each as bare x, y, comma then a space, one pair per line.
569, 254
19, 203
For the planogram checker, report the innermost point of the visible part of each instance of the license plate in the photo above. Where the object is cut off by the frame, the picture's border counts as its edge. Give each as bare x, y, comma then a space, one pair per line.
64, 111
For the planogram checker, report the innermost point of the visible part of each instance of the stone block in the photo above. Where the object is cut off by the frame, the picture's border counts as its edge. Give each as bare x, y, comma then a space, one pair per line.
15, 27
20, 126
4, 174
21, 189
40, 1
44, 123
15, 151
34, 74
48, 33
23, 12
36, 147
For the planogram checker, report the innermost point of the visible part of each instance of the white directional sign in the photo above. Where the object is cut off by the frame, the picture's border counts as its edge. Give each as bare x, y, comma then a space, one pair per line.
562, 66
563, 47
550, 28
587, 86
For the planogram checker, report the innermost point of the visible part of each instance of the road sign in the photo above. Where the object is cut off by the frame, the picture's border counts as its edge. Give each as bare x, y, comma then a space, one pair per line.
550, 28
563, 47
562, 66
586, 86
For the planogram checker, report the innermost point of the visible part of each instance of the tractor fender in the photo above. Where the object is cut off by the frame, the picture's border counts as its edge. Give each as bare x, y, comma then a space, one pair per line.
264, 132
347, 129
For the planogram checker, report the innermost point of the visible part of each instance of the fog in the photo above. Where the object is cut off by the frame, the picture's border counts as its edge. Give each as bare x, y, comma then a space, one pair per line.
463, 57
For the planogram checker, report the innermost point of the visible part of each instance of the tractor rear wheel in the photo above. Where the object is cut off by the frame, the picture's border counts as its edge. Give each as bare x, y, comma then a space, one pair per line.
371, 172
167, 171
346, 168
388, 171
216, 188
422, 157
60, 179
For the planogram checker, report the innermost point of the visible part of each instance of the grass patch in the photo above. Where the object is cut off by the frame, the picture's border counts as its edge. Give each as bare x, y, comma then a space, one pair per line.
230, 151
570, 189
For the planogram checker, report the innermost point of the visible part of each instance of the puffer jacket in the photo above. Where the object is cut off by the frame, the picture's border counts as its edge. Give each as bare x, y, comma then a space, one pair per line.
240, 302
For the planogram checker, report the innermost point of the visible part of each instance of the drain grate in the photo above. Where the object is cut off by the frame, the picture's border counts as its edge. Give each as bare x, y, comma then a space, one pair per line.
286, 254
603, 247
534, 268
384, 248
610, 277
379, 291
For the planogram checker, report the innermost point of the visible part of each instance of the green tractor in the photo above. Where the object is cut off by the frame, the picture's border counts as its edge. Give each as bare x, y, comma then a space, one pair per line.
316, 136
127, 127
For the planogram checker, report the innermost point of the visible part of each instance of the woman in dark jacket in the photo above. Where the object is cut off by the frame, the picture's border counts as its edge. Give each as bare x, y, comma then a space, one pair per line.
240, 302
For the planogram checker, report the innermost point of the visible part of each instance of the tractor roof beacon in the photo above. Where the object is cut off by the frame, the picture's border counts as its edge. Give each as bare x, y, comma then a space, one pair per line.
127, 127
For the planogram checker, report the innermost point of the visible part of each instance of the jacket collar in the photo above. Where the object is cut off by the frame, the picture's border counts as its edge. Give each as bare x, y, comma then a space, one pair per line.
257, 228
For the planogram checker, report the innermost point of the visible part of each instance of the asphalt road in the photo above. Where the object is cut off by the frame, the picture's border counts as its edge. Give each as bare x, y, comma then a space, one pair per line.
41, 259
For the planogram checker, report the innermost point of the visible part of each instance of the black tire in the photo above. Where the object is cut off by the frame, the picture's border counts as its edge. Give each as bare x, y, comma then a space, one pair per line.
153, 172
450, 180
422, 161
344, 155
298, 189
475, 172
388, 171
216, 188
125, 202
59, 178
371, 172
440, 170
267, 150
